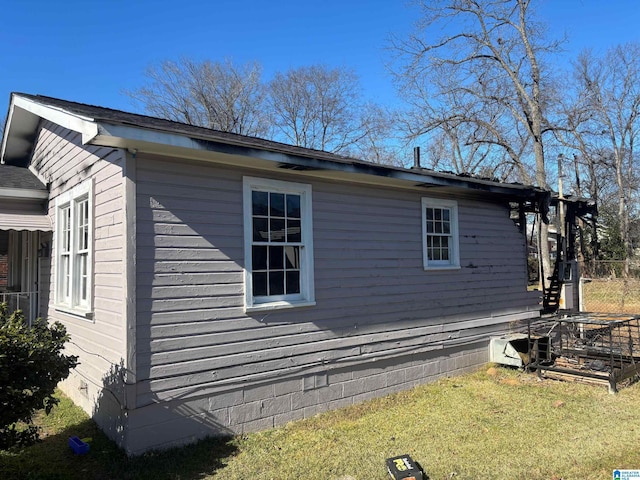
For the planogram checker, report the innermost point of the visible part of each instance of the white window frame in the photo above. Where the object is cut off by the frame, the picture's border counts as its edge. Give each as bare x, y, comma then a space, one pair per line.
306, 297
454, 244
69, 290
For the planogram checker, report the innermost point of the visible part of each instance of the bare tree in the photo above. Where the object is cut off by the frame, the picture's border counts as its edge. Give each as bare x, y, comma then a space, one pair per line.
380, 141
314, 107
485, 73
217, 95
318, 107
464, 148
605, 116
464, 133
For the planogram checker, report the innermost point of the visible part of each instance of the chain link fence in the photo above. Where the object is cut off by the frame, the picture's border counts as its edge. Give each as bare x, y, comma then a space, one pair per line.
607, 288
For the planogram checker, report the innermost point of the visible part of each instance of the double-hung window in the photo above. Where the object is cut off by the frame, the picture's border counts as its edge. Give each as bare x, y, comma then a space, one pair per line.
440, 234
74, 249
278, 244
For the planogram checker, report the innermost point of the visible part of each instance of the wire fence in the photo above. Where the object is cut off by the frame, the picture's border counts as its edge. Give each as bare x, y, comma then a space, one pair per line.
608, 286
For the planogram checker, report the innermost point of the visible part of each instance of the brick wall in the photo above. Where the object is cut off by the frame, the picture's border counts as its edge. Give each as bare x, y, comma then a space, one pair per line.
3, 271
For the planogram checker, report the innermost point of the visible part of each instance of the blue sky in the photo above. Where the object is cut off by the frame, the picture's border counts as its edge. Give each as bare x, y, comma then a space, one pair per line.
90, 51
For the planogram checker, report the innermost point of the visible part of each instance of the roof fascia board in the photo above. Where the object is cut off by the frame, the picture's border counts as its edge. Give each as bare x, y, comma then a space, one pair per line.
86, 126
5, 133
132, 137
23, 193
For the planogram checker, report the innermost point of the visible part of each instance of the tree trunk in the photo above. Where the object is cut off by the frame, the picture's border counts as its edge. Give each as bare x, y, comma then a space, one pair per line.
623, 213
541, 180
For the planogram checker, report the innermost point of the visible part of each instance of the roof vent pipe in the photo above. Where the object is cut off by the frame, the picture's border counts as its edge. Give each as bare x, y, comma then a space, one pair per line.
416, 157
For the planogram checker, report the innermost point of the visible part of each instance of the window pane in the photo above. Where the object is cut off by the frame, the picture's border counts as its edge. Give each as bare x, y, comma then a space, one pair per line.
66, 241
429, 226
82, 221
64, 276
276, 258
260, 229
277, 230
446, 227
429, 213
437, 213
438, 227
292, 257
446, 215
83, 278
85, 237
277, 204
293, 282
259, 284
260, 203
66, 229
293, 206
276, 283
294, 234
259, 258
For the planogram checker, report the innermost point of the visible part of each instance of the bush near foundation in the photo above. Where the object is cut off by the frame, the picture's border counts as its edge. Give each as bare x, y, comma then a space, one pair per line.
31, 365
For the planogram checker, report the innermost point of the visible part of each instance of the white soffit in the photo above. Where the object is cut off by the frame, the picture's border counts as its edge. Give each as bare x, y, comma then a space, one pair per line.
78, 123
24, 115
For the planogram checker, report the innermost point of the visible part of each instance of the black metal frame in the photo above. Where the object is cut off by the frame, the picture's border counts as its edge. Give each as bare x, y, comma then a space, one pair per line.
598, 346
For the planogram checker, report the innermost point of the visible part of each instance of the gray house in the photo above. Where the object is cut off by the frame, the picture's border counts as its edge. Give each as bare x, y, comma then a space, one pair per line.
215, 283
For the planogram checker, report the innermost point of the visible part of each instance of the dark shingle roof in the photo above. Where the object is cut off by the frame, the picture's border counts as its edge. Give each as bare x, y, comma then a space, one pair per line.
19, 177
110, 115
313, 159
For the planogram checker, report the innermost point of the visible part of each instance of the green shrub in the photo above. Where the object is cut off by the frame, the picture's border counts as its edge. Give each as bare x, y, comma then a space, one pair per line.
31, 365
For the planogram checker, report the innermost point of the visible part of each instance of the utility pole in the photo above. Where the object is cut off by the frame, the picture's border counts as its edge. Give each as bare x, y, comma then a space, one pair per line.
561, 213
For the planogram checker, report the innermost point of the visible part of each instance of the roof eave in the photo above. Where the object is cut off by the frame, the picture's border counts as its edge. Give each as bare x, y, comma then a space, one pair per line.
170, 143
25, 113
22, 124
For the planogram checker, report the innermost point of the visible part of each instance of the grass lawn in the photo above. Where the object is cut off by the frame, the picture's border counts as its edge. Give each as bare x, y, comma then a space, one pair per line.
479, 426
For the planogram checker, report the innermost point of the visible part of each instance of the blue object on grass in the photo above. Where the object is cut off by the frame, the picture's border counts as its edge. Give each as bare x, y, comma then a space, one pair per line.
78, 446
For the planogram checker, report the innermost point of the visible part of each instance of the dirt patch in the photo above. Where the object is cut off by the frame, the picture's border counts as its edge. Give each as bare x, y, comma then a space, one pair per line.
510, 381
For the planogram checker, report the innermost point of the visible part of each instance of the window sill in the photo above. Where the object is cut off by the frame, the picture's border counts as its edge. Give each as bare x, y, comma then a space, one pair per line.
442, 267
81, 314
271, 306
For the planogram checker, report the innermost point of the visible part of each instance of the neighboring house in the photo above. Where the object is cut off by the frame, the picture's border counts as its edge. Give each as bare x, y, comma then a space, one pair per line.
215, 283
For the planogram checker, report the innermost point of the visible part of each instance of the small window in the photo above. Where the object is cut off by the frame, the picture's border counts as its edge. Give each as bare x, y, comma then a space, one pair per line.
73, 247
440, 234
278, 244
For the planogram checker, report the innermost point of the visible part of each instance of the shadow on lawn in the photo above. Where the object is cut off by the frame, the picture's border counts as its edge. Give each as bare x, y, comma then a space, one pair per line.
52, 459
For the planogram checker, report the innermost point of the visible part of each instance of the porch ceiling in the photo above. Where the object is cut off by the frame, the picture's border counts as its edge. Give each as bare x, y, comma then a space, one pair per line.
21, 220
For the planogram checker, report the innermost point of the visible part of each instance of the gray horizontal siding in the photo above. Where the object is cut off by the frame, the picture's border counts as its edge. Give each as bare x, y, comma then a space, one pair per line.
63, 161
373, 296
